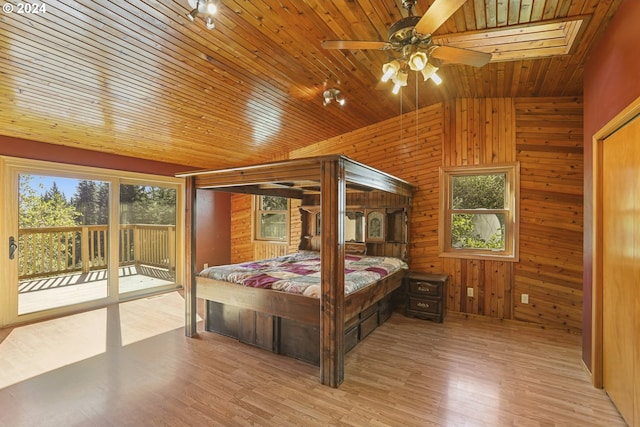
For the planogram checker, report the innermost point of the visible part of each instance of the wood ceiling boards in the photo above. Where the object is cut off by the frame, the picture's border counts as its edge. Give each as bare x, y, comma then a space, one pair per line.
138, 78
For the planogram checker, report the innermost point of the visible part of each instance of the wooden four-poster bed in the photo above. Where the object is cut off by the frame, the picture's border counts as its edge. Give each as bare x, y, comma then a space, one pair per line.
294, 324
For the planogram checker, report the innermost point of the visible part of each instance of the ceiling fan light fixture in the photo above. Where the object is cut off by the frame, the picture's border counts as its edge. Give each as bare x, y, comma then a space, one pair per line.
390, 70
429, 72
436, 78
400, 80
417, 61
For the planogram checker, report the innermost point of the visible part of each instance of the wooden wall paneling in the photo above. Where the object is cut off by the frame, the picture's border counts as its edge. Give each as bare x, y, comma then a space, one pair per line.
549, 143
241, 223
544, 134
484, 134
417, 138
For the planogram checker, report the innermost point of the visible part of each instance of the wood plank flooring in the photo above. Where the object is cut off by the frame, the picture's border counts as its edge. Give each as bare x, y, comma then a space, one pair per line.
131, 365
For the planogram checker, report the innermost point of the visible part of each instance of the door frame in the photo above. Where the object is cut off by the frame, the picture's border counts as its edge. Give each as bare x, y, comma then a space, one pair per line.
619, 121
10, 167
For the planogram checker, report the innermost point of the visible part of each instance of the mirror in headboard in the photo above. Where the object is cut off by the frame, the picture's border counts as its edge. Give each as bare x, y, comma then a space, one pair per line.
354, 226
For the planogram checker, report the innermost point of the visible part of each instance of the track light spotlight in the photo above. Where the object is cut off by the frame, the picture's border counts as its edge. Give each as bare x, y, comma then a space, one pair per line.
333, 94
212, 7
192, 15
208, 8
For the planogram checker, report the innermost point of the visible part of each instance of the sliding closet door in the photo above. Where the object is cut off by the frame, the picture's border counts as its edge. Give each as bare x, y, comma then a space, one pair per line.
621, 270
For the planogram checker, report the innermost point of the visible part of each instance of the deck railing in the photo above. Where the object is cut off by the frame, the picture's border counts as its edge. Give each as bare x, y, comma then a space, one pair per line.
51, 251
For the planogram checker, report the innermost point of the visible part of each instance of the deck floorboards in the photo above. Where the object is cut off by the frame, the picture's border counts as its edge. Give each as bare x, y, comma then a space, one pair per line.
59, 291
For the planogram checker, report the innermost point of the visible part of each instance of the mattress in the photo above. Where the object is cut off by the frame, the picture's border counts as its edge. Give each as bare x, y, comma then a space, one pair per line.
299, 273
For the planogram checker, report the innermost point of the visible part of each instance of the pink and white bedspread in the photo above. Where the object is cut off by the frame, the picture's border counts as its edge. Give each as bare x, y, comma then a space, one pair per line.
299, 273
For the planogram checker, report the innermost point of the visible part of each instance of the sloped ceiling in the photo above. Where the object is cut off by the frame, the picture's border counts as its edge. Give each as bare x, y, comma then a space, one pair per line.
138, 78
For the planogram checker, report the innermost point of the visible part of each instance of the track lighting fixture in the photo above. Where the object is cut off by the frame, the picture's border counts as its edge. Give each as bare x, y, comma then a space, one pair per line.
333, 94
208, 8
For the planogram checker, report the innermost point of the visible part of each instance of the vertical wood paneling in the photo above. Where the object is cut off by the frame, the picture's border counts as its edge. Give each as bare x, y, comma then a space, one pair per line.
409, 147
241, 245
545, 136
484, 134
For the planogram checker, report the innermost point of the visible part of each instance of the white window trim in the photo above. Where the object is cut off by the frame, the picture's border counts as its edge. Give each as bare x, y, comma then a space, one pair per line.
511, 252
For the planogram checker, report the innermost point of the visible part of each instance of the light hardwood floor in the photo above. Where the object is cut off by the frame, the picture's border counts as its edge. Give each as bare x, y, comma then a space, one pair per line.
131, 365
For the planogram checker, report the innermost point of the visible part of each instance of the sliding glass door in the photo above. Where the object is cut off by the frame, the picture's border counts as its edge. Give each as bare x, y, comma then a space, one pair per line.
147, 246
78, 238
62, 241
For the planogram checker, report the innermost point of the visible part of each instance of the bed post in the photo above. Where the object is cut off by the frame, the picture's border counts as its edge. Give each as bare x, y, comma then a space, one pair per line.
332, 210
190, 296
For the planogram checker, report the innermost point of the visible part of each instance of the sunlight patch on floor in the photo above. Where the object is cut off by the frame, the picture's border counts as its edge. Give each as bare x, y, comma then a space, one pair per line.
32, 350
148, 317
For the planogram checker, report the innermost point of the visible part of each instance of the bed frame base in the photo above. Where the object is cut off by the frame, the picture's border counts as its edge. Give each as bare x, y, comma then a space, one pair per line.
289, 337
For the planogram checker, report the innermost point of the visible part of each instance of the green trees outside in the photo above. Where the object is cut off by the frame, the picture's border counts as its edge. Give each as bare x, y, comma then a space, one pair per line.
89, 205
478, 230
147, 205
42, 207
272, 222
50, 209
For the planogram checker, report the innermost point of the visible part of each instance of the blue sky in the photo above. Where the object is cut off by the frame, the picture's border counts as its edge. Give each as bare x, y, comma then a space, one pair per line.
43, 183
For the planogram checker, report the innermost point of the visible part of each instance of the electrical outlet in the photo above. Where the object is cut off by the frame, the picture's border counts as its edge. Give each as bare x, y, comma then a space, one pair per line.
470, 292
524, 298
206, 265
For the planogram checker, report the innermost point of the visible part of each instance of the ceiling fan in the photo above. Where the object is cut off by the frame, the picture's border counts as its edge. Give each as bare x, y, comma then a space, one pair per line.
411, 37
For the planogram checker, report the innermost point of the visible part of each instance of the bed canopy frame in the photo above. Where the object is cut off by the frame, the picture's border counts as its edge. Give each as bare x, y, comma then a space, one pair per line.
330, 177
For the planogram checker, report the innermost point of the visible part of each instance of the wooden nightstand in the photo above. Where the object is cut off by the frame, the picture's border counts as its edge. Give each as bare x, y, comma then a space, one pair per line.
426, 295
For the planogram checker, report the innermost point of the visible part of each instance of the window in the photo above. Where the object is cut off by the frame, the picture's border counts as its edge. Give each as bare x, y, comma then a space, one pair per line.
478, 217
272, 218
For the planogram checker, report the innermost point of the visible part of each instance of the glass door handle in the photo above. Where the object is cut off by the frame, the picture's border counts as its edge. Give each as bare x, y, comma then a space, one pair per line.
12, 247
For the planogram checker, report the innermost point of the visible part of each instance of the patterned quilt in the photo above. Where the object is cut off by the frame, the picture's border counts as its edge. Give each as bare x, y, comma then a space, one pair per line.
299, 273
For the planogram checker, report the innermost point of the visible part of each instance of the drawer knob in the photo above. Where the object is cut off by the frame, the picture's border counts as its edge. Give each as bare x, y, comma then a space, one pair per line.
424, 288
423, 305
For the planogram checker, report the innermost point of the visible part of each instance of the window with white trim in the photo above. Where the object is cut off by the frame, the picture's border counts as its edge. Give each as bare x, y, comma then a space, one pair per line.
479, 208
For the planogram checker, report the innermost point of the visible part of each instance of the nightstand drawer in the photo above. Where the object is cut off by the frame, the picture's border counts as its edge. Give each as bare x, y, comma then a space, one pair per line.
425, 288
426, 295
424, 305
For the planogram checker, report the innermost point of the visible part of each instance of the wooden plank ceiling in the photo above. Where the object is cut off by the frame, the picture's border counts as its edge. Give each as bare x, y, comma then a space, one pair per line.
138, 78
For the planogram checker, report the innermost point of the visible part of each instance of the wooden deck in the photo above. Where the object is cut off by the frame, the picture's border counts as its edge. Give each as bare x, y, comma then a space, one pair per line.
58, 291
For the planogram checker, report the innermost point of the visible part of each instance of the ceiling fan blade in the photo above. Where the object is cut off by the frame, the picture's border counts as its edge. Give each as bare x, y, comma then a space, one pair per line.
440, 11
456, 55
355, 44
